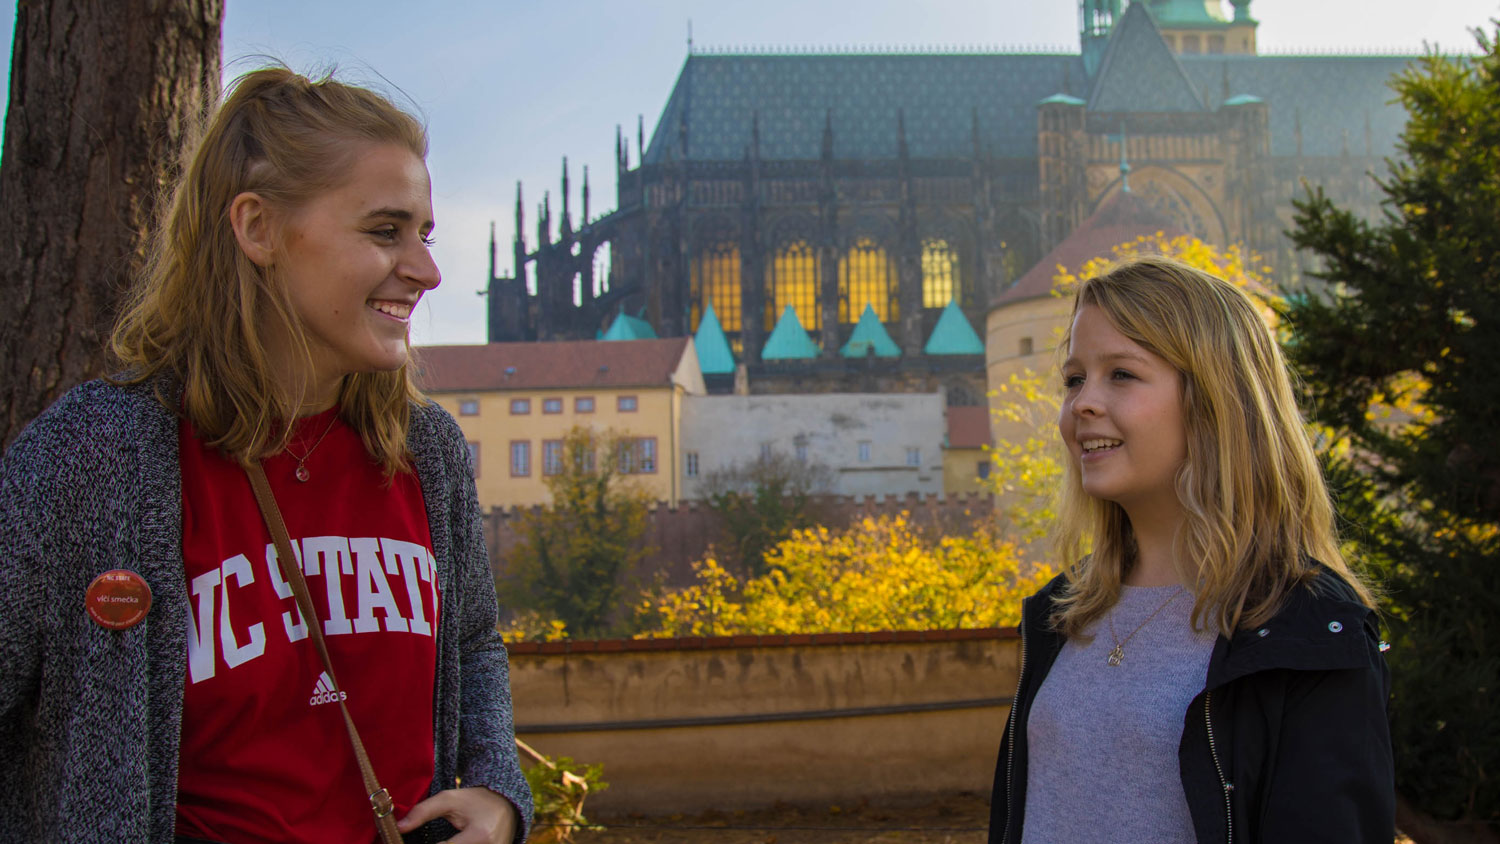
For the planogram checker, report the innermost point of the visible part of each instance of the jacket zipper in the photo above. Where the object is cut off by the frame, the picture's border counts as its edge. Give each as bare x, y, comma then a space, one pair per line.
1224, 783
1010, 762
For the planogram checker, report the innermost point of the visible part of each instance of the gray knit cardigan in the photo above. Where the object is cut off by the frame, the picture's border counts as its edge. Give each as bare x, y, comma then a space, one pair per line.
90, 718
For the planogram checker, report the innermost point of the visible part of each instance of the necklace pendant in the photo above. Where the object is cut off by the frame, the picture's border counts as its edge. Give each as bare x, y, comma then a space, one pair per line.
302, 474
1117, 655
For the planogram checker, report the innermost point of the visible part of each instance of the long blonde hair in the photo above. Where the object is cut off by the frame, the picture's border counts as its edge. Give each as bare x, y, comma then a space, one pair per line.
1257, 512
200, 311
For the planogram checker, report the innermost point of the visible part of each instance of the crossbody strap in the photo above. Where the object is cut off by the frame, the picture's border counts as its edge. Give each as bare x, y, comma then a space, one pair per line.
291, 570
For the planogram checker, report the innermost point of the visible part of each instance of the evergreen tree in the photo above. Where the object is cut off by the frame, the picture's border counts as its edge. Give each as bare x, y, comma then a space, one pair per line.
1400, 355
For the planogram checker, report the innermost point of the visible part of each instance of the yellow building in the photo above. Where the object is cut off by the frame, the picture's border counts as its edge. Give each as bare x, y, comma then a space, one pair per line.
516, 401
966, 456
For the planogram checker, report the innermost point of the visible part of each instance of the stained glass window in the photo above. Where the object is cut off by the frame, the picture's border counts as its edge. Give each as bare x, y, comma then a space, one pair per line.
794, 281
715, 278
939, 274
866, 277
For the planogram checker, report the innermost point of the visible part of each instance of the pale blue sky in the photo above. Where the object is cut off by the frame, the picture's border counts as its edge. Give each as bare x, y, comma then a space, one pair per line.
509, 87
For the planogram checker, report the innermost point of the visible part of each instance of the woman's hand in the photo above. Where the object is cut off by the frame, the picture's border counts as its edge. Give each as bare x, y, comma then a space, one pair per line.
481, 816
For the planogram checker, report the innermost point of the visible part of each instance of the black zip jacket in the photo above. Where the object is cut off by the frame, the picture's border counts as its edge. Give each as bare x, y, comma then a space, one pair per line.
1288, 741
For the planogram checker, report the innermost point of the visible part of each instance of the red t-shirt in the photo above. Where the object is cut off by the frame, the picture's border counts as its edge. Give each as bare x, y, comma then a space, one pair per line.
265, 755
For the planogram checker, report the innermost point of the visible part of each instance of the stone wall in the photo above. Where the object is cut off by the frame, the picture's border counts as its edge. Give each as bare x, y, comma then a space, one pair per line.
687, 725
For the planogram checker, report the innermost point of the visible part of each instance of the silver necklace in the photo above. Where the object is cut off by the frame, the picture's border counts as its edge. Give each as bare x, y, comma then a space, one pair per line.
1117, 654
302, 474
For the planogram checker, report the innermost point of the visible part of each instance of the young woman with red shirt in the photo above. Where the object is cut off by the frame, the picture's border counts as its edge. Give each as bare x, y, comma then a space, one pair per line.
270, 329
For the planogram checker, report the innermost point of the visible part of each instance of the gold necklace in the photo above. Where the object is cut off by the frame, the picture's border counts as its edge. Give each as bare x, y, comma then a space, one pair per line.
1117, 655
302, 474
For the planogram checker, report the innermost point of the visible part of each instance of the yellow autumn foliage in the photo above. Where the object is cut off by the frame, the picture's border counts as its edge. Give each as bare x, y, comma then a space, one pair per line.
880, 574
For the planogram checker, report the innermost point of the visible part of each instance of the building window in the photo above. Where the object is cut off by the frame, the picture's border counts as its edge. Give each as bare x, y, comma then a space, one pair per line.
913, 456
637, 456
939, 273
519, 407
583, 404
794, 282
715, 279
801, 452
1216, 44
1190, 45
468, 407
474, 457
864, 451
1025, 346
866, 277
690, 464
552, 457
765, 451
552, 405
520, 458
626, 404
982, 469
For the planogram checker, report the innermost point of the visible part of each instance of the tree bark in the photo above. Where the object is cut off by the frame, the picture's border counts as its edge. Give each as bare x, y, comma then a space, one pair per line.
102, 95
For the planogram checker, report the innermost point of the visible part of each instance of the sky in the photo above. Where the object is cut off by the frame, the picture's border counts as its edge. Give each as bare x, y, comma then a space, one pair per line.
509, 87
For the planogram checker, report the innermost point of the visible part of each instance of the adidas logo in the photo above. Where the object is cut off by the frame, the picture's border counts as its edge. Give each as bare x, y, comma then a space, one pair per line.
324, 692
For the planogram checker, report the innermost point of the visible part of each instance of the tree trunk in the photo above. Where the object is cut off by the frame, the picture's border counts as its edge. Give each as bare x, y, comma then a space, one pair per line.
102, 95
1424, 829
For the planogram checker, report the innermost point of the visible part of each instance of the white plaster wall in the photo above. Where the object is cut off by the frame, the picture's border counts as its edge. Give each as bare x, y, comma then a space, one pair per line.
728, 429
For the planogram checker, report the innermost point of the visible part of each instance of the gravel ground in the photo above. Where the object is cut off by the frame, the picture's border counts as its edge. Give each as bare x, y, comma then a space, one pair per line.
961, 819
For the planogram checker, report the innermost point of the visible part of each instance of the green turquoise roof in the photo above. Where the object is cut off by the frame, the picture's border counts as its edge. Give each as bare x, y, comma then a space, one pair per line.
714, 354
1190, 12
627, 327
869, 335
1243, 99
1062, 99
789, 340
953, 335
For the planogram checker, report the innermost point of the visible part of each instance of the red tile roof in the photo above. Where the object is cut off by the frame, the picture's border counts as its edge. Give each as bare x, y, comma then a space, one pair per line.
1120, 220
969, 427
562, 364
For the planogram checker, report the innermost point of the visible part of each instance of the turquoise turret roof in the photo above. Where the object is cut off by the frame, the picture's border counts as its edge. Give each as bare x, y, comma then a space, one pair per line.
789, 340
953, 335
627, 327
1178, 12
869, 335
714, 355
1062, 99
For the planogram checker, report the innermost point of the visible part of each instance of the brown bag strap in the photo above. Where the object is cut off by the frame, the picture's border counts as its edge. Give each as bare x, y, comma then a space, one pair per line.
380, 799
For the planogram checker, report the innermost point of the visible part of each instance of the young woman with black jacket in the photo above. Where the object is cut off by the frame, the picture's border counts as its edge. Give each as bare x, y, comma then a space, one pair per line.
1211, 670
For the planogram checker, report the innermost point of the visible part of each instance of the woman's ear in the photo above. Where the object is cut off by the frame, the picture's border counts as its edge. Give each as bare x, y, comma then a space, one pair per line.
250, 217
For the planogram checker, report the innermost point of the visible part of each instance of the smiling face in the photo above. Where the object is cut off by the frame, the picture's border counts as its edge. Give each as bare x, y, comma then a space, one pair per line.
355, 261
1122, 418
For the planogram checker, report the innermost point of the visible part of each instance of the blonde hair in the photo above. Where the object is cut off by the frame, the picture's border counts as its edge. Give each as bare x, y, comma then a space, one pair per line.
1257, 513
200, 311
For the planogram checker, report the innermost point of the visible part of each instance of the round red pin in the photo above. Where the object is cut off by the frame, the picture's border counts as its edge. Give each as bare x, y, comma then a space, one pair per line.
118, 599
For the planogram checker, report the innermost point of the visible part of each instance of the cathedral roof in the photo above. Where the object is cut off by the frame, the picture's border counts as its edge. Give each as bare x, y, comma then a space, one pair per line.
789, 340
870, 336
627, 327
721, 99
1330, 96
714, 354
953, 335
1139, 72
1121, 219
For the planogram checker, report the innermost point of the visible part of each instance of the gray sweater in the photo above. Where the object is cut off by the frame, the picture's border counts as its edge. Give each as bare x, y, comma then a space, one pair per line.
90, 718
